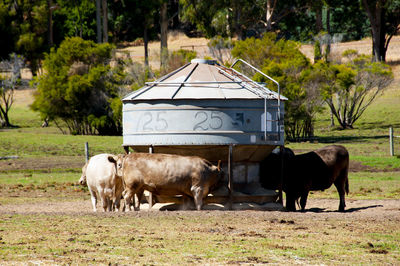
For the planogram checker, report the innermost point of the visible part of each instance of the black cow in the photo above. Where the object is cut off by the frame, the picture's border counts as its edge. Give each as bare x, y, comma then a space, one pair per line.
316, 170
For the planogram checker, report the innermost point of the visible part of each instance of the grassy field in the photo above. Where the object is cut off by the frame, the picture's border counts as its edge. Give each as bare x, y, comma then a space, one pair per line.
149, 238
46, 218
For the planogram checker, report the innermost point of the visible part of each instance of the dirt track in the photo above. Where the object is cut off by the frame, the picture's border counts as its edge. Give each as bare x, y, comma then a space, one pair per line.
318, 209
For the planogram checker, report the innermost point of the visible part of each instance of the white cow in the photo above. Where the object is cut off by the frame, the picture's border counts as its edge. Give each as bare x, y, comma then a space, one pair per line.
100, 175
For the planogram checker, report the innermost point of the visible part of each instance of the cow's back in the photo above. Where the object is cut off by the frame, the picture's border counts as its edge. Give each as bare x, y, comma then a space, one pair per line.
322, 166
100, 172
167, 174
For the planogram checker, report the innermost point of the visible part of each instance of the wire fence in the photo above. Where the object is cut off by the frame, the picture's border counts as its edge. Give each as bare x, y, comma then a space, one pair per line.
394, 142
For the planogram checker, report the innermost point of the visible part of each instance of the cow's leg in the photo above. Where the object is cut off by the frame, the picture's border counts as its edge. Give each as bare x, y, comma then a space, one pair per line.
139, 195
198, 196
290, 202
117, 203
104, 201
93, 198
110, 204
303, 200
340, 186
128, 196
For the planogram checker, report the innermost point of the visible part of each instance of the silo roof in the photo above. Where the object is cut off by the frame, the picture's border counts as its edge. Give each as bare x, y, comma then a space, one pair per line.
203, 79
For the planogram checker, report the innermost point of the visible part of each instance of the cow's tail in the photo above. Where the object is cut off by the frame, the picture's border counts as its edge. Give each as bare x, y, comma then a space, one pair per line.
346, 185
219, 165
345, 174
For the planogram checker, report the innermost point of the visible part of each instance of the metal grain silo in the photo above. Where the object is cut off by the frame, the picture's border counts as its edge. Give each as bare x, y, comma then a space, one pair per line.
208, 110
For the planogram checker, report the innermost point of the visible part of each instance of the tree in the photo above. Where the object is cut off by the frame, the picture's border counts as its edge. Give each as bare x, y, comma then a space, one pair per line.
105, 20
221, 49
283, 61
79, 87
349, 88
98, 21
164, 33
28, 25
8, 84
384, 17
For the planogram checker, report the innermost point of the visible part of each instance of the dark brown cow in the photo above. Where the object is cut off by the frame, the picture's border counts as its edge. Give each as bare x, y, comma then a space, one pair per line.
316, 170
167, 174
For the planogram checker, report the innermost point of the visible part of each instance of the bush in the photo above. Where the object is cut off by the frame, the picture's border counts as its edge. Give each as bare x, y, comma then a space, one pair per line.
78, 87
283, 61
178, 59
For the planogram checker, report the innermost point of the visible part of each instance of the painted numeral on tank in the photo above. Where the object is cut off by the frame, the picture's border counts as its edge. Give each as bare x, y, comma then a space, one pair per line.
148, 118
161, 122
149, 124
203, 118
214, 121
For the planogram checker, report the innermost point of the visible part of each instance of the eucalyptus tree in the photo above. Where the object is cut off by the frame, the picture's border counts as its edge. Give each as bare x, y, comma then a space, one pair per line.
384, 17
9, 82
80, 89
350, 87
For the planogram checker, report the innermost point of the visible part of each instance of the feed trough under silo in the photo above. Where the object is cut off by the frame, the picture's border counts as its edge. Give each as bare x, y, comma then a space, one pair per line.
207, 110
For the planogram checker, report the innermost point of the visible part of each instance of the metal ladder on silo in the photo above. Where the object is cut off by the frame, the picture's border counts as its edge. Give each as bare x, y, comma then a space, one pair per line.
256, 88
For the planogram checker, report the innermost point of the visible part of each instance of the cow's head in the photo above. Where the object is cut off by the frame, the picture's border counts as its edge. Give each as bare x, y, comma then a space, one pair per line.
118, 161
271, 168
82, 180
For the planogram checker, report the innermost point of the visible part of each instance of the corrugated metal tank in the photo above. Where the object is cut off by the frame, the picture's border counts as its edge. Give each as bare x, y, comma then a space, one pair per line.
200, 109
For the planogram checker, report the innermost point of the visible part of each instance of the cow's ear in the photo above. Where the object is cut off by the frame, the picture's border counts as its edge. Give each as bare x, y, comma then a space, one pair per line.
219, 165
112, 159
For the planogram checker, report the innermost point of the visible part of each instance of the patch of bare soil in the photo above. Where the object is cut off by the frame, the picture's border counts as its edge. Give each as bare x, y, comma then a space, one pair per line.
359, 167
369, 210
42, 163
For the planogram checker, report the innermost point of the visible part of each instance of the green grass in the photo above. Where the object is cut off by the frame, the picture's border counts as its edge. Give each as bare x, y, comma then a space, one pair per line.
367, 185
386, 163
38, 177
41, 142
195, 238
22, 116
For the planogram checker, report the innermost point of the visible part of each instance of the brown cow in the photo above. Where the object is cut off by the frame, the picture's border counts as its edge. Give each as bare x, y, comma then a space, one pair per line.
167, 174
316, 170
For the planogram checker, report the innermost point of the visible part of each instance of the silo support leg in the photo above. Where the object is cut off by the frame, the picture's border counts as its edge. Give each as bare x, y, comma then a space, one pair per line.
151, 150
230, 176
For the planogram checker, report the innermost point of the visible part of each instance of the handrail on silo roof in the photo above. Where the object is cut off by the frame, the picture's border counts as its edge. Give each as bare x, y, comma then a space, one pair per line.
144, 89
265, 104
259, 71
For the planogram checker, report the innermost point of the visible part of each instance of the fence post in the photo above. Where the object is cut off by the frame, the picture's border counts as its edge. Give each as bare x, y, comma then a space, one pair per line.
391, 141
87, 151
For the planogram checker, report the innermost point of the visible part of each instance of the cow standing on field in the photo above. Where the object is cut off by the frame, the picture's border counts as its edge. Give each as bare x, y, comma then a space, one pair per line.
167, 174
100, 175
316, 170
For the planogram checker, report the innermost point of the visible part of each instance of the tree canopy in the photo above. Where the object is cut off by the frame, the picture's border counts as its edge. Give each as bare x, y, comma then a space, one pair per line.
79, 87
283, 61
349, 87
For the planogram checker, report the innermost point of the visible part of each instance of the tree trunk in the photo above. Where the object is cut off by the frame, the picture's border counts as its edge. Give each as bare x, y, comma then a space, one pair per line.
269, 12
105, 21
318, 19
146, 43
98, 21
328, 29
164, 35
376, 14
50, 22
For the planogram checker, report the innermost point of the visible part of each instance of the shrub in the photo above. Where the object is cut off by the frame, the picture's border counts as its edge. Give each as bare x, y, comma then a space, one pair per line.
78, 87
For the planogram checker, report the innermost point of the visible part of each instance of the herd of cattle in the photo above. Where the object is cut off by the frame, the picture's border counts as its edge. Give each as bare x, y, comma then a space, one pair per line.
113, 177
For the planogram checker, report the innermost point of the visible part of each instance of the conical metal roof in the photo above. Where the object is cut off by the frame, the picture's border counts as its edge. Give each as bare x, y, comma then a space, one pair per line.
203, 79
